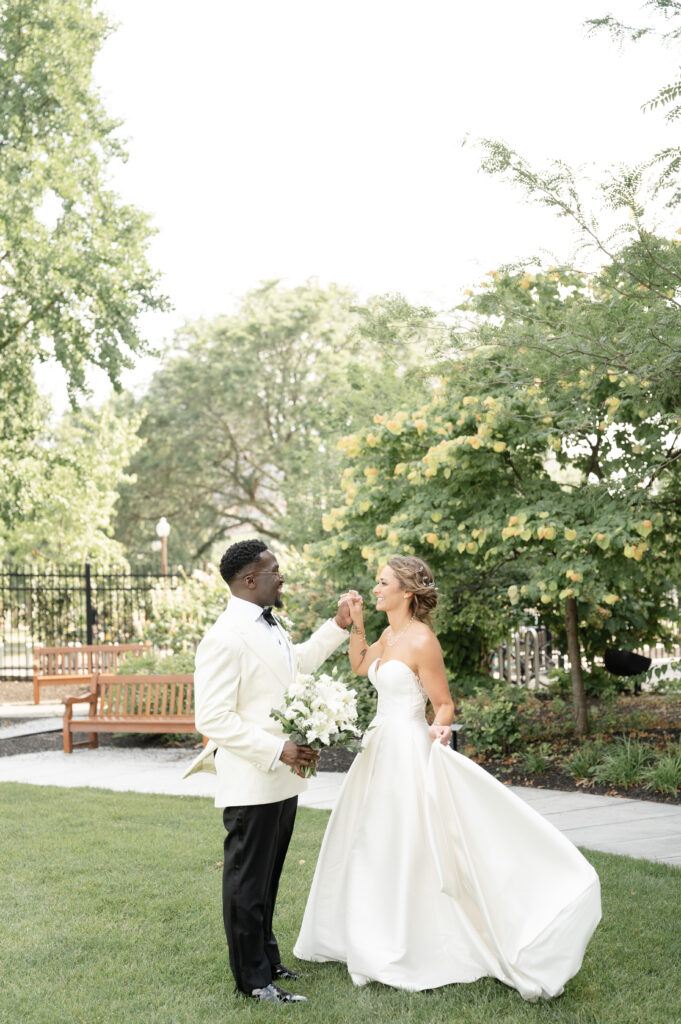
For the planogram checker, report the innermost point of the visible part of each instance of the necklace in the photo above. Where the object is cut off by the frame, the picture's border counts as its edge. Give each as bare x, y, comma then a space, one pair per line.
393, 639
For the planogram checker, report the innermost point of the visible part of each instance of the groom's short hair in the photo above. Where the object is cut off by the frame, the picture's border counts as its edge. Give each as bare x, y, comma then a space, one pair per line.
238, 556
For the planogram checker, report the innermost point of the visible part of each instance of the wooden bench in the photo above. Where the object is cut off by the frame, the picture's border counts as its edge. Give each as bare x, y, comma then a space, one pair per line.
57, 666
136, 703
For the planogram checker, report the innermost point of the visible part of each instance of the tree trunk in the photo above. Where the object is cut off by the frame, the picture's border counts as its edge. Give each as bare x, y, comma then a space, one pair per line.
575, 656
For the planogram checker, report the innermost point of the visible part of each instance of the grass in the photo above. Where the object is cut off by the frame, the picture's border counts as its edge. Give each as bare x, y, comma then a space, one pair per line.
111, 914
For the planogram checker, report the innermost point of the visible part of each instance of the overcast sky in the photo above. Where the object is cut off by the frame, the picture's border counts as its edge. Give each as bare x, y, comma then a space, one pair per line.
322, 138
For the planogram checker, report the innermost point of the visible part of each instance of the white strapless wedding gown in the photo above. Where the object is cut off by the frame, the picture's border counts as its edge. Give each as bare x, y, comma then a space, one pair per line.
431, 872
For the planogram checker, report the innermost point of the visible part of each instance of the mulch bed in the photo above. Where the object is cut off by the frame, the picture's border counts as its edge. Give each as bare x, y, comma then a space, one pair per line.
648, 718
39, 742
554, 778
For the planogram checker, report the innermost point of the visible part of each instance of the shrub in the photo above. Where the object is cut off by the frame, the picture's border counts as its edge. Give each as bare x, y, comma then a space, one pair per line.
660, 678
581, 763
491, 718
537, 759
664, 774
182, 614
156, 663
465, 684
597, 683
623, 763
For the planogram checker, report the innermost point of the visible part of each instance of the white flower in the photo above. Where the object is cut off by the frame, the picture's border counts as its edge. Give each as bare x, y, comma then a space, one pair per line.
319, 709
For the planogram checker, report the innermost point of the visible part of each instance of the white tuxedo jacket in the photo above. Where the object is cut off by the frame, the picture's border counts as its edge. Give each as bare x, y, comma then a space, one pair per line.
241, 674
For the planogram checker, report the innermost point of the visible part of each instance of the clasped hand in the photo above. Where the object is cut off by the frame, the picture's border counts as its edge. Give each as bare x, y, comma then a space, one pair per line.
354, 603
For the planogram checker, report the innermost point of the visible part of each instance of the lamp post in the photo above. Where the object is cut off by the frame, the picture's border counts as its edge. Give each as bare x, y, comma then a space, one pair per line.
162, 531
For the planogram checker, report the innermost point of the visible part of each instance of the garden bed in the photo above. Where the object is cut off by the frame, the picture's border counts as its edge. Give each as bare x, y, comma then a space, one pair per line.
650, 720
512, 774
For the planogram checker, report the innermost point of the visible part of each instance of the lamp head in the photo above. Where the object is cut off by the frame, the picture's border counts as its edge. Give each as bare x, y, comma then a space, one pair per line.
162, 527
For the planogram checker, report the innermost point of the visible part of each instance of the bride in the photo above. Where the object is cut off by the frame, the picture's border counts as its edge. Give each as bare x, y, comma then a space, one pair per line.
431, 872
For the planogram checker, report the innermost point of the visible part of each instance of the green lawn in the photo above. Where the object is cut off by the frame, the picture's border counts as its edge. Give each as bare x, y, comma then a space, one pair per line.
111, 913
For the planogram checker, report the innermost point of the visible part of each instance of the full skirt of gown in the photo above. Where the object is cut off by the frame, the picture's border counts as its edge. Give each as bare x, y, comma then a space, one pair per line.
431, 872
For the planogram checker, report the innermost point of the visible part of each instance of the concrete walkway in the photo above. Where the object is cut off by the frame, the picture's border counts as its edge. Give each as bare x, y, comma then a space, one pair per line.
635, 828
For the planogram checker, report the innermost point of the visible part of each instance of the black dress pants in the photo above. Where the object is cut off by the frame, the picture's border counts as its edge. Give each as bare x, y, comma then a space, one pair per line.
257, 839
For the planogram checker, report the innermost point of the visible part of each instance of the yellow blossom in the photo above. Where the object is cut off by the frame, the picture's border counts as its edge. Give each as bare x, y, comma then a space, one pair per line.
351, 445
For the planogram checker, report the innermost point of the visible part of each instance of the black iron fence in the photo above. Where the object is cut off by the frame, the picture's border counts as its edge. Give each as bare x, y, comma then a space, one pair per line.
62, 605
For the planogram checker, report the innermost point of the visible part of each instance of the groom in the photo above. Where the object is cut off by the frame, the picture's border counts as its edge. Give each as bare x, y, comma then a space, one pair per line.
244, 665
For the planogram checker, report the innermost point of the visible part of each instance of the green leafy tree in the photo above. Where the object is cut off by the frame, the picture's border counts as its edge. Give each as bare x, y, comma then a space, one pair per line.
240, 423
69, 486
73, 268
665, 26
74, 278
542, 476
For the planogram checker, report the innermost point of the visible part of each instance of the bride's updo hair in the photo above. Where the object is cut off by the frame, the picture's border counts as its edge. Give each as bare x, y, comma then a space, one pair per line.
414, 575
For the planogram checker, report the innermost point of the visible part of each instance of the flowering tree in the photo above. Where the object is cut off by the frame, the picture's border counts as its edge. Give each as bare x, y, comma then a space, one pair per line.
541, 474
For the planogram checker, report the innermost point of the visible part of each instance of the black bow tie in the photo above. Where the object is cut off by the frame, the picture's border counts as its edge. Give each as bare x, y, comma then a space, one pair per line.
269, 617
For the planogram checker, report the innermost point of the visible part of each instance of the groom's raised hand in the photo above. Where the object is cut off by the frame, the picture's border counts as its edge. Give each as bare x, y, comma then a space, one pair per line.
353, 603
343, 615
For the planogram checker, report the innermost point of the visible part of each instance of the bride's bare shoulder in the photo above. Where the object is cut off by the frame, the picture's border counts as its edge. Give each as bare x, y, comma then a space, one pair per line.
424, 634
424, 640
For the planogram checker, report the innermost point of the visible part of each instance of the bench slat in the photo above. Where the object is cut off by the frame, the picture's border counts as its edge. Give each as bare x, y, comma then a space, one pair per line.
56, 666
134, 703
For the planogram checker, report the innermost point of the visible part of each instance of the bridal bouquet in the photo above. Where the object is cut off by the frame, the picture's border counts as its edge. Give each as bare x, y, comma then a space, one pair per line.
319, 712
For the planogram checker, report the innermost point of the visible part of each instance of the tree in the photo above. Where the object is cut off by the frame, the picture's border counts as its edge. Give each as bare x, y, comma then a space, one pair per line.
668, 30
542, 476
69, 482
74, 276
241, 420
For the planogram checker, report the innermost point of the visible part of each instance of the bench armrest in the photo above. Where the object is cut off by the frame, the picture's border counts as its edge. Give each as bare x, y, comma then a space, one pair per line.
89, 698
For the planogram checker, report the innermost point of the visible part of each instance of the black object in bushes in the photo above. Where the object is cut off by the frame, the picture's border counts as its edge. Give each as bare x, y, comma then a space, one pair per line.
625, 663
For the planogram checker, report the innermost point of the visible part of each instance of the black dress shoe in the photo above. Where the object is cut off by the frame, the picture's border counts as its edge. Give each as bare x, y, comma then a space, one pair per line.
273, 994
282, 971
